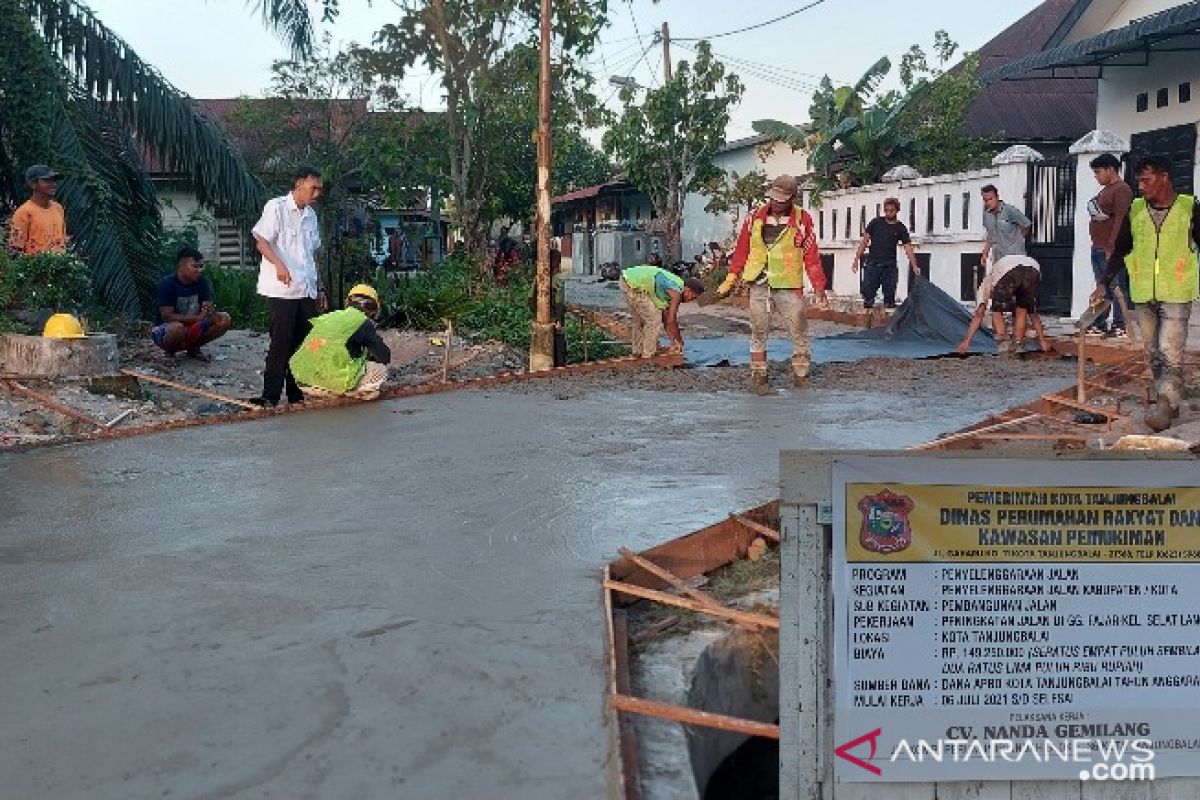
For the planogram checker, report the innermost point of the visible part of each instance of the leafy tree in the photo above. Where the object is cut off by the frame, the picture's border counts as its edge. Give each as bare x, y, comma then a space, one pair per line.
470, 46
74, 95
937, 118
736, 195
666, 144
508, 132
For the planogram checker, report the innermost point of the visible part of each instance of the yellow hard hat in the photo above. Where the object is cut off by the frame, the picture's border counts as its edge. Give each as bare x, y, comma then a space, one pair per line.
364, 290
63, 326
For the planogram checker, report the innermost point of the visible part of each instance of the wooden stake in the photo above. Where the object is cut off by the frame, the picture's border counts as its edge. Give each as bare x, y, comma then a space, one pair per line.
220, 398
691, 716
691, 605
669, 577
769, 533
54, 405
449, 344
1081, 388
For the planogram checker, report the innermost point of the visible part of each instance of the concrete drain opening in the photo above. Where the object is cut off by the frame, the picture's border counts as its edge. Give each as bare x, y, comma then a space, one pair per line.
737, 675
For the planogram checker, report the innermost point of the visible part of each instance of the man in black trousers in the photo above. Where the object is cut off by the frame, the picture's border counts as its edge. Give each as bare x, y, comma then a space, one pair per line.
287, 236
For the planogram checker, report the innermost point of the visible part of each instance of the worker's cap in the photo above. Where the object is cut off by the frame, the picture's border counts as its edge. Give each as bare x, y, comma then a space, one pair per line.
782, 188
41, 172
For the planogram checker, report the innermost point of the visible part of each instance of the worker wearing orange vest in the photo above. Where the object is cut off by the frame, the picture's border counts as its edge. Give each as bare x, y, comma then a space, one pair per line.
775, 248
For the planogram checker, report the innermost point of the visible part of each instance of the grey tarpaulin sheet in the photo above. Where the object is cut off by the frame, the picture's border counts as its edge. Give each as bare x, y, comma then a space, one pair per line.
929, 323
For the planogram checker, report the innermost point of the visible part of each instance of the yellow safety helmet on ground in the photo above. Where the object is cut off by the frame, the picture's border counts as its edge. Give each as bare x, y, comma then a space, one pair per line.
364, 298
63, 326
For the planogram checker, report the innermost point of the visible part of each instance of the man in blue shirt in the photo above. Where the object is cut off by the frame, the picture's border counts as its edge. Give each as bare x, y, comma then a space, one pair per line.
186, 318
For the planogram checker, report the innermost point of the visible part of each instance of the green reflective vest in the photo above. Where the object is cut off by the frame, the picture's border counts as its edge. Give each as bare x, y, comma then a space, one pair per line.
641, 279
323, 360
1162, 265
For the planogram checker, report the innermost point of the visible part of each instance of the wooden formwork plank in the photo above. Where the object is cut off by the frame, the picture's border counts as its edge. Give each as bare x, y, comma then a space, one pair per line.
630, 767
698, 553
183, 387
634, 590
54, 405
769, 533
673, 580
692, 716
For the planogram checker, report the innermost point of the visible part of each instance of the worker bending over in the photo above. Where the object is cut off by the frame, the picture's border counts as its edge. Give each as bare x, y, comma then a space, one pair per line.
653, 295
1010, 286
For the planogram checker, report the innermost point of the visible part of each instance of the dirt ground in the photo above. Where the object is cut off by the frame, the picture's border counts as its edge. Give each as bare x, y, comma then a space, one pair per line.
237, 360
894, 377
235, 371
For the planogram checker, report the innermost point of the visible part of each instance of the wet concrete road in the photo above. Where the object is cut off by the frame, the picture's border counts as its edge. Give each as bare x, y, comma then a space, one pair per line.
393, 601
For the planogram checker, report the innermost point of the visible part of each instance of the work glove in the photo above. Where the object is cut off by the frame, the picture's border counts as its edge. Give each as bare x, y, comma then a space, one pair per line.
727, 285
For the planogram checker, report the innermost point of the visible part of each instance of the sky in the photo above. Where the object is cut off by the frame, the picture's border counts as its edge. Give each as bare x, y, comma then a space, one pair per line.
219, 48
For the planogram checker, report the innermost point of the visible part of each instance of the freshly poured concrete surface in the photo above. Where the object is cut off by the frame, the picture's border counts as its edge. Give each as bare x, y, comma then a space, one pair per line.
398, 600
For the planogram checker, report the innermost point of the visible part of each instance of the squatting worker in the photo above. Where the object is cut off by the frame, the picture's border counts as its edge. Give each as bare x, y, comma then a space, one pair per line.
1010, 286
883, 235
187, 318
343, 353
1006, 227
653, 295
39, 225
287, 236
1157, 243
774, 250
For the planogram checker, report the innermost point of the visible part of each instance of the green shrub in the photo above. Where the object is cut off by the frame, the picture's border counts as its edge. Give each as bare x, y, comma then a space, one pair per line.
56, 281
235, 291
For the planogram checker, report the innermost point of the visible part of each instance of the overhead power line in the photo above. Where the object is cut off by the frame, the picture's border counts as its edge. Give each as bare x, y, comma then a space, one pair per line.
748, 27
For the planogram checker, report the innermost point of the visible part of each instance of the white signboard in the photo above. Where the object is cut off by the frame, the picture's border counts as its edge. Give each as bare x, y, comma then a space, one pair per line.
1014, 620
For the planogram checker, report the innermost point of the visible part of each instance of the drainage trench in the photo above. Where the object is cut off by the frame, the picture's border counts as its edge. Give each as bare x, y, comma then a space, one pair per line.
737, 675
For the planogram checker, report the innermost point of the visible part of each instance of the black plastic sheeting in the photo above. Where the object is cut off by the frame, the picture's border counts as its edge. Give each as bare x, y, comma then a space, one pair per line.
928, 324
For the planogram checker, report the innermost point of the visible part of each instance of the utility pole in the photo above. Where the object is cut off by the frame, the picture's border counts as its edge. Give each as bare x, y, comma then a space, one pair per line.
666, 43
541, 340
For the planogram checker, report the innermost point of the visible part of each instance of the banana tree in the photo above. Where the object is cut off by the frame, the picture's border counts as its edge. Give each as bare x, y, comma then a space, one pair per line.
77, 97
852, 131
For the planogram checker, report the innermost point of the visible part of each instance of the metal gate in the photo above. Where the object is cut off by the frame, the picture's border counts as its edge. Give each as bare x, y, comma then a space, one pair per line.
1178, 143
1050, 206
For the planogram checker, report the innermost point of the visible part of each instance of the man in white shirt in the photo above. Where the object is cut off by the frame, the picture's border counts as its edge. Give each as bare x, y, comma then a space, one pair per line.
287, 236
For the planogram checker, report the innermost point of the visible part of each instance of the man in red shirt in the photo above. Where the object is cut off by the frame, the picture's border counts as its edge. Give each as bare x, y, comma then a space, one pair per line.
775, 249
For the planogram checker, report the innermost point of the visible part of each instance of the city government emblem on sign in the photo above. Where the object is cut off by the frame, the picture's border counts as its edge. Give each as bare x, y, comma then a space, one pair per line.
885, 525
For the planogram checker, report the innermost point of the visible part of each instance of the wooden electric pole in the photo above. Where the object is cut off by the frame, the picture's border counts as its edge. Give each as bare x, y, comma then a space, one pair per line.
541, 340
666, 43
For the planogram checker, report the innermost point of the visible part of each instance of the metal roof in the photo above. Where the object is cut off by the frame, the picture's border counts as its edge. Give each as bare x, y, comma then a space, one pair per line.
1173, 30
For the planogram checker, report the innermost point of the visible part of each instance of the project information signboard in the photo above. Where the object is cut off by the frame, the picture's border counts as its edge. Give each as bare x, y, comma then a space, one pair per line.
1003, 619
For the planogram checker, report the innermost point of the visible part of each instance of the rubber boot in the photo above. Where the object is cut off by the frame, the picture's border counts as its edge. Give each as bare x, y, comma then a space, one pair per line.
800, 381
759, 384
1161, 418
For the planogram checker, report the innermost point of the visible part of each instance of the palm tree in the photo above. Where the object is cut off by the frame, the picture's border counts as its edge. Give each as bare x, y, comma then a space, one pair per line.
74, 95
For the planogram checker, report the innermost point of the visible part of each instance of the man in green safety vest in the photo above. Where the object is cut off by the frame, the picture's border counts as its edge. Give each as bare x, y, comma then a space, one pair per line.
1157, 243
653, 295
343, 354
